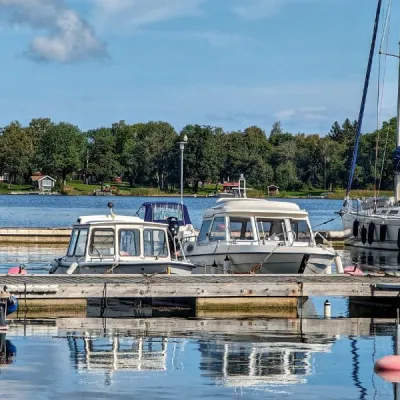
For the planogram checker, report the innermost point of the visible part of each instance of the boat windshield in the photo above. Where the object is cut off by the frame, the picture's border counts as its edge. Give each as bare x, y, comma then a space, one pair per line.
129, 242
271, 229
102, 242
160, 211
240, 228
155, 243
77, 243
301, 230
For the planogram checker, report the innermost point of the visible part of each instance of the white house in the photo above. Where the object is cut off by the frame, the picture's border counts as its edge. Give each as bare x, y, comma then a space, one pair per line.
44, 183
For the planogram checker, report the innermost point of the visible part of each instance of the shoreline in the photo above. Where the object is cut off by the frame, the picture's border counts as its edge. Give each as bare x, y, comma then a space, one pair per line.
201, 196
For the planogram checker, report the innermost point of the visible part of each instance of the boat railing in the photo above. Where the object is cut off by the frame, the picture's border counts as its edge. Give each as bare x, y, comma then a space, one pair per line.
325, 241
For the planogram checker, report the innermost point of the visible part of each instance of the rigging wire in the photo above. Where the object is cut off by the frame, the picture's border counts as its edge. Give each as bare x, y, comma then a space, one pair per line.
363, 100
380, 91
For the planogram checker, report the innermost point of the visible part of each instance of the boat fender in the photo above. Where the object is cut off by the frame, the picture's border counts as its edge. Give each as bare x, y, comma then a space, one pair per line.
20, 270
382, 232
398, 238
363, 234
72, 268
227, 265
356, 225
388, 368
371, 232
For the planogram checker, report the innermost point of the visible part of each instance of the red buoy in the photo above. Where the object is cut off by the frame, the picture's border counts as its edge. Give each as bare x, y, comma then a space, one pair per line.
16, 271
388, 368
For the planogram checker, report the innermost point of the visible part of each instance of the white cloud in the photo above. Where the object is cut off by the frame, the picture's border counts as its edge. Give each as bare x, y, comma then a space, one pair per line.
69, 37
137, 13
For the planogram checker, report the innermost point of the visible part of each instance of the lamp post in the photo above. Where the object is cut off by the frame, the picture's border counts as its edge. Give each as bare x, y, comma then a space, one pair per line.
326, 159
182, 147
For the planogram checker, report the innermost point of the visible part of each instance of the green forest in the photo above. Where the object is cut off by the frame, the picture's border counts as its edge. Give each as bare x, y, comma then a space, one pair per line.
148, 155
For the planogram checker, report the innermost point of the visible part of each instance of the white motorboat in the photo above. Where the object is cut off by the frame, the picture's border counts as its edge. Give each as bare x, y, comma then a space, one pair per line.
119, 244
243, 235
374, 222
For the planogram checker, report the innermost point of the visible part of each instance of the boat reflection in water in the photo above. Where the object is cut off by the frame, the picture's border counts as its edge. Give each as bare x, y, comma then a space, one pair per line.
277, 362
114, 353
246, 356
7, 350
371, 259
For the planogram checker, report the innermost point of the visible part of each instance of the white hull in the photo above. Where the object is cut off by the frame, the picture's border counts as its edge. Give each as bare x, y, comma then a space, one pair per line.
246, 258
153, 267
364, 219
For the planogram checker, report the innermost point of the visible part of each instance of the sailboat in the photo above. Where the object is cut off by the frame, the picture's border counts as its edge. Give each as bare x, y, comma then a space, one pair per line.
374, 222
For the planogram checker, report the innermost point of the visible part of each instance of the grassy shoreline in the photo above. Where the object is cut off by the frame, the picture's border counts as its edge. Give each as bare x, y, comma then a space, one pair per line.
75, 188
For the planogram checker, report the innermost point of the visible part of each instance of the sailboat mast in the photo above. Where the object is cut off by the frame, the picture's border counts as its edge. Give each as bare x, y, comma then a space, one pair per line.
364, 98
397, 173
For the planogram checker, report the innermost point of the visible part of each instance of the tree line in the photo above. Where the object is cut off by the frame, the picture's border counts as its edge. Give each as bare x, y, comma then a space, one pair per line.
148, 154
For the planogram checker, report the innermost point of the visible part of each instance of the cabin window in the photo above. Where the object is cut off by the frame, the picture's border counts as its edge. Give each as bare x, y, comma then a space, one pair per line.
301, 230
77, 244
129, 242
240, 228
218, 229
271, 229
102, 242
383, 211
205, 228
392, 212
155, 243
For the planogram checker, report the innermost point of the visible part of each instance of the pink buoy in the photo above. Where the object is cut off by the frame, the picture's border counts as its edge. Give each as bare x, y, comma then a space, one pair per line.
388, 368
17, 271
353, 270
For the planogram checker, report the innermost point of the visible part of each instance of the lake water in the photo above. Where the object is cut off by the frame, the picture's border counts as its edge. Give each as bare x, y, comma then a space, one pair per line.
66, 359
62, 211
130, 358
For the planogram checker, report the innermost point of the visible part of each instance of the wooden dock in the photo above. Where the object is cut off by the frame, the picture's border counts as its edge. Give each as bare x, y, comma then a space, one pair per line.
207, 292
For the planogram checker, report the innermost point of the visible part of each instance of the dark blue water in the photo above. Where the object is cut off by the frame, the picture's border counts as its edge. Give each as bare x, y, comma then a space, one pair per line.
46, 362
61, 211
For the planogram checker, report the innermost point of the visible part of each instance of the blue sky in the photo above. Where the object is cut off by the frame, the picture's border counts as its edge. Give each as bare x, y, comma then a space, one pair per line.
229, 63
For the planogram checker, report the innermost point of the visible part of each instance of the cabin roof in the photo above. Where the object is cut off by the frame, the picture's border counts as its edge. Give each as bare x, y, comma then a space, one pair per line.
118, 219
245, 206
38, 178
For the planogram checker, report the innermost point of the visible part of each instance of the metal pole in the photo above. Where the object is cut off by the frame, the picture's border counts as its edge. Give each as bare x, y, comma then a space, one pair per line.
182, 148
396, 175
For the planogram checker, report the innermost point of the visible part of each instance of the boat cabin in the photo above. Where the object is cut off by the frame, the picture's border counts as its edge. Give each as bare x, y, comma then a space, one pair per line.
254, 221
118, 239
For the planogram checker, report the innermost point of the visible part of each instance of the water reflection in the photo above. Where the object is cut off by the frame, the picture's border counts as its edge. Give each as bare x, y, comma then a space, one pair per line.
7, 350
372, 259
200, 358
233, 359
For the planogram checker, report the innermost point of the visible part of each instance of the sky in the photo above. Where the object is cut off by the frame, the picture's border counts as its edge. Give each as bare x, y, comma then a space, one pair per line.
227, 63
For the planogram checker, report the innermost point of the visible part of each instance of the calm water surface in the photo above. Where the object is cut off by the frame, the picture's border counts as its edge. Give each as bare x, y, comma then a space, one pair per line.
60, 360
60, 211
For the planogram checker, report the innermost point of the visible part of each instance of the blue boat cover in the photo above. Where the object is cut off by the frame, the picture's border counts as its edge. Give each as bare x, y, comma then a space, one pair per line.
159, 211
396, 159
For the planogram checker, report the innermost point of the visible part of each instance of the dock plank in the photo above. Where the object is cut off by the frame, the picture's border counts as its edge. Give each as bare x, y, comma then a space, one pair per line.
85, 286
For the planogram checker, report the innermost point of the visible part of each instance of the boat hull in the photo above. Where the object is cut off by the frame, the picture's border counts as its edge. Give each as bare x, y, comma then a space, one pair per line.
246, 259
392, 231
